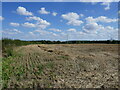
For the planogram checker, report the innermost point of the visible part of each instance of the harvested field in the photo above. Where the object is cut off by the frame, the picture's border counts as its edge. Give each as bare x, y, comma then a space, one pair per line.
62, 66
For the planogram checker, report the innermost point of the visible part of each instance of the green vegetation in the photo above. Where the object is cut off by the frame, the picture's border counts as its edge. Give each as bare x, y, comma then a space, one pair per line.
8, 60
50, 65
63, 57
41, 67
7, 70
19, 72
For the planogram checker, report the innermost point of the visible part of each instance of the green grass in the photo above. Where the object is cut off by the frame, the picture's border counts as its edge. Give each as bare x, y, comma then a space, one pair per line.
0, 72
42, 67
19, 72
50, 65
8, 69
9, 52
63, 57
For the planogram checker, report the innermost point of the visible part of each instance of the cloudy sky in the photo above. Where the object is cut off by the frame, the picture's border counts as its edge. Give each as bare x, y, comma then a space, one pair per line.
59, 20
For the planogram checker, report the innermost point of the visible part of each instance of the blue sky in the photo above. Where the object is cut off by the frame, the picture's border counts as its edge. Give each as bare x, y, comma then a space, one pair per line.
57, 20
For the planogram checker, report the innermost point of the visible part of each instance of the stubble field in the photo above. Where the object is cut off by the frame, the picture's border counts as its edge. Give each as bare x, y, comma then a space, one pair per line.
62, 66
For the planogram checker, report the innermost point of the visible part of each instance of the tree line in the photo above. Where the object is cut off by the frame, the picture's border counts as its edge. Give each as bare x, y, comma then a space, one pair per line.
17, 42
9, 44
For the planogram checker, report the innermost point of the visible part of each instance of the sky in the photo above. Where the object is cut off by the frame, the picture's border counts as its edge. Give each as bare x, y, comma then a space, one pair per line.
60, 20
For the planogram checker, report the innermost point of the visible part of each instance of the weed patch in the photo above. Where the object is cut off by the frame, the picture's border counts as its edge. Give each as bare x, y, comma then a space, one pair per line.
50, 65
7, 70
63, 57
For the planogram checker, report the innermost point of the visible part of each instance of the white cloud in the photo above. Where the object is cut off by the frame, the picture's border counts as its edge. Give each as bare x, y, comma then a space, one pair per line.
70, 16
81, 15
1, 18
100, 32
54, 34
17, 31
105, 19
71, 30
55, 30
14, 24
54, 14
99, 0
43, 11
31, 33
75, 22
29, 25
43, 24
92, 31
91, 27
42, 32
40, 22
33, 18
22, 11
100, 19
107, 4
119, 12
90, 20
73, 19
11, 31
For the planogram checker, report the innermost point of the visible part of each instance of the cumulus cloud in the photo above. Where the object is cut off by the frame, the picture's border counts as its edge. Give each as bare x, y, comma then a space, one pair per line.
29, 25
100, 19
71, 30
33, 18
54, 14
22, 11
43, 11
107, 4
40, 22
99, 0
43, 24
81, 15
99, 31
14, 24
42, 32
31, 33
54, 34
92, 28
73, 19
92, 31
55, 30
70, 16
11, 31
1, 18
17, 31
92, 25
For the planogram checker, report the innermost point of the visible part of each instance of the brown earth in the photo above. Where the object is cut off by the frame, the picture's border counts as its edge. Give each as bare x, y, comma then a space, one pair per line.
66, 66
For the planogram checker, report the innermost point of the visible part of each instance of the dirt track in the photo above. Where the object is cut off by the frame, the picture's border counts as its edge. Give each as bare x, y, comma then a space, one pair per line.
70, 65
